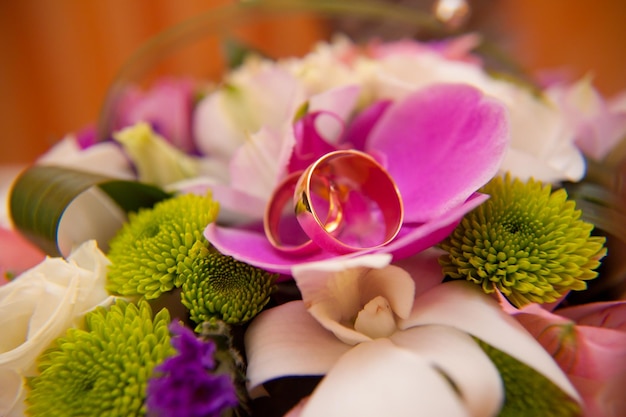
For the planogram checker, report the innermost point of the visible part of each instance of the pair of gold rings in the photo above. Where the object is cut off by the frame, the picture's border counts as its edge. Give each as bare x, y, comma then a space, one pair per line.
343, 202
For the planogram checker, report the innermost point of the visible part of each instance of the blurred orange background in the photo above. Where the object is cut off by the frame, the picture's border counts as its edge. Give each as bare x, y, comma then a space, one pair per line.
60, 56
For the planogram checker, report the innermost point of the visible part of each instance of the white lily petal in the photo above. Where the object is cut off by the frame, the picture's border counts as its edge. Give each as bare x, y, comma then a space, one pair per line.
286, 340
381, 379
458, 355
335, 291
464, 306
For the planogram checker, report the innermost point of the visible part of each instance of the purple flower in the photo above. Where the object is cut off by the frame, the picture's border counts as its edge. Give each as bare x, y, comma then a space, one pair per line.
184, 385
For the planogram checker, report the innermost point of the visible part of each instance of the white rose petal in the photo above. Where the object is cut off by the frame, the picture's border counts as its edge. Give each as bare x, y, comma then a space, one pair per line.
40, 305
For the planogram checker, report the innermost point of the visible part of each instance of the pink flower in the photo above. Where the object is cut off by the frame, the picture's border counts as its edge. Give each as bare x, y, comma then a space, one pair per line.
440, 144
166, 106
589, 344
17, 254
599, 124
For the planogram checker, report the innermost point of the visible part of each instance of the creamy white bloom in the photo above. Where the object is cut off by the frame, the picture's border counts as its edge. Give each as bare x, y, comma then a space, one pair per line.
542, 136
105, 158
40, 305
385, 347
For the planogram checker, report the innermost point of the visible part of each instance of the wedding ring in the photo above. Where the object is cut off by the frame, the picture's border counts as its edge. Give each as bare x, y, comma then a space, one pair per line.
281, 228
343, 202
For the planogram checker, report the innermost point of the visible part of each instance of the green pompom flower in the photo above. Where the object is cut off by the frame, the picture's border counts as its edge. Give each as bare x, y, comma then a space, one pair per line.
526, 241
147, 252
218, 287
103, 370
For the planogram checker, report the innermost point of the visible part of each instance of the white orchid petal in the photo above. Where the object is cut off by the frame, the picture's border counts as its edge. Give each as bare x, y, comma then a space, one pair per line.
464, 306
381, 379
335, 291
424, 268
286, 340
380, 260
376, 319
339, 101
458, 356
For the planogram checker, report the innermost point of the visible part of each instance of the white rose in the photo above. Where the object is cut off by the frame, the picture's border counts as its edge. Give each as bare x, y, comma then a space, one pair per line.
39, 306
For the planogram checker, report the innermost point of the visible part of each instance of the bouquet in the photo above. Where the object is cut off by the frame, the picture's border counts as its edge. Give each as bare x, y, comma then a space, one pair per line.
377, 228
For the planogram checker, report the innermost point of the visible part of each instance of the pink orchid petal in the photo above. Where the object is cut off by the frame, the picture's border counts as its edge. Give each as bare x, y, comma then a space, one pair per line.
464, 306
287, 341
415, 238
379, 378
253, 247
458, 355
582, 350
600, 353
167, 106
593, 358
442, 143
364, 122
310, 142
602, 398
609, 314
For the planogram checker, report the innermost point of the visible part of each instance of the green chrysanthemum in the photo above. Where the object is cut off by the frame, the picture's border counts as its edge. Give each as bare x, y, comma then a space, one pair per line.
526, 241
147, 252
216, 286
103, 370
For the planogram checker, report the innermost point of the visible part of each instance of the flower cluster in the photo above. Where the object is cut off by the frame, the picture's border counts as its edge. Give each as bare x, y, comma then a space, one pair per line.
467, 308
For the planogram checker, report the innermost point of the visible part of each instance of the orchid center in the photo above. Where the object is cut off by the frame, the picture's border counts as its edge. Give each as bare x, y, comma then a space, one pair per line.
376, 319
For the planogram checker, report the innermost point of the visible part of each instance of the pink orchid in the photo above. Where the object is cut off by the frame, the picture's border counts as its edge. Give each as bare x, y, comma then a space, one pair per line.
589, 344
390, 342
167, 106
440, 144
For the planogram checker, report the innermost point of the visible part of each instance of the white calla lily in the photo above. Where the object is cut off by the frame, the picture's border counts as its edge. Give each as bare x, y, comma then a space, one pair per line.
385, 350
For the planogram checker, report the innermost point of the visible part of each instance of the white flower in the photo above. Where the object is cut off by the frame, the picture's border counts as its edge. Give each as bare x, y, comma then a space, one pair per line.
39, 306
599, 124
542, 136
105, 158
387, 349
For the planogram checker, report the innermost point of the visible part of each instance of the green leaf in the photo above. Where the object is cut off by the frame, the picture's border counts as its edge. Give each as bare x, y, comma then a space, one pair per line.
41, 196
528, 392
